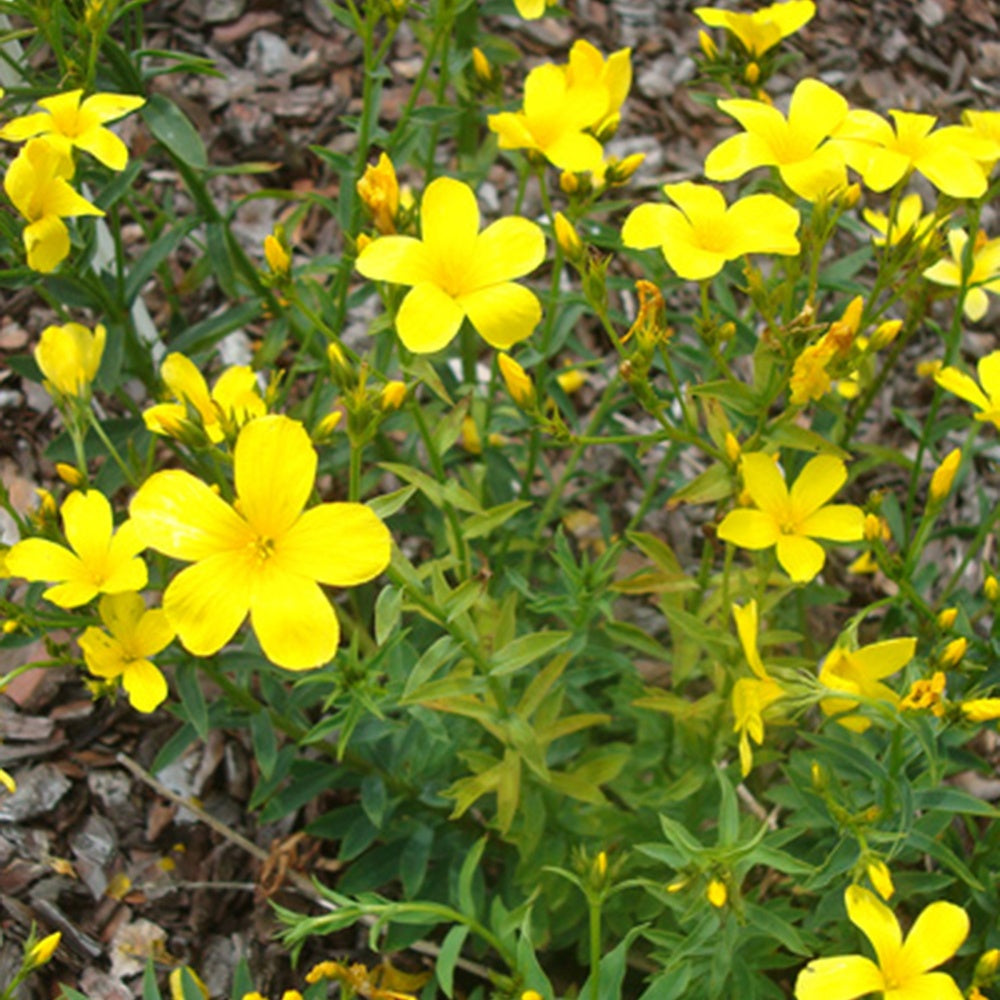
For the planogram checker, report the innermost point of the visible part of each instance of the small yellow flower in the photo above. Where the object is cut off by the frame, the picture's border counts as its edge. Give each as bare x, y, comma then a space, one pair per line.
902, 970
531, 10
99, 559
531, 995
379, 191
907, 224
985, 275
66, 121
860, 672
881, 878
987, 398
791, 519
650, 324
69, 357
763, 29
716, 893
42, 952
517, 380
944, 475
324, 970
136, 633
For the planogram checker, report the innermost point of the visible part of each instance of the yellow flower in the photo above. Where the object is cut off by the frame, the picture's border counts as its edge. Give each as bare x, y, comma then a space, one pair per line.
981, 709
986, 125
884, 156
393, 394
926, 694
790, 520
984, 277
517, 380
531, 10
42, 952
66, 121
902, 971
809, 378
552, 121
379, 190
751, 696
266, 555
881, 878
277, 256
37, 182
136, 634
987, 398
907, 223
811, 167
716, 893
606, 80
763, 29
531, 995
69, 357
457, 272
860, 672
700, 235
234, 399
98, 560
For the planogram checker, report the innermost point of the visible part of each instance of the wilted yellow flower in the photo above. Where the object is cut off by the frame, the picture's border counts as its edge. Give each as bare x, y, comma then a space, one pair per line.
650, 324
944, 475
69, 357
763, 29
716, 893
378, 188
809, 379
926, 694
860, 672
517, 380
881, 878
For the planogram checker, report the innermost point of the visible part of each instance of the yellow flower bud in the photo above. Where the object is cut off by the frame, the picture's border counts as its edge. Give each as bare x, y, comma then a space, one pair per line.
986, 967
733, 449
69, 474
531, 995
6, 780
361, 242
569, 183
875, 528
707, 45
571, 380
291, 995
393, 395
944, 475
69, 357
378, 189
481, 65
42, 952
851, 195
621, 171
566, 236
601, 864
326, 426
946, 618
277, 256
10, 626
928, 369
472, 441
881, 878
818, 775
953, 652
517, 380
677, 886
981, 709
991, 589
752, 74
717, 894
885, 333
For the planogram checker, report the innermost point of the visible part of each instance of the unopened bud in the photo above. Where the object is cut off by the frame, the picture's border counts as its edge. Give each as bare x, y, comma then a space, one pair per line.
326, 426
571, 380
946, 618
601, 864
392, 395
928, 369
569, 183
944, 475
42, 952
69, 474
278, 258
819, 777
885, 333
708, 46
517, 380
566, 237
472, 441
621, 171
733, 449
986, 967
952, 654
481, 65
880, 878
717, 893
874, 528
851, 195
991, 588
981, 709
752, 74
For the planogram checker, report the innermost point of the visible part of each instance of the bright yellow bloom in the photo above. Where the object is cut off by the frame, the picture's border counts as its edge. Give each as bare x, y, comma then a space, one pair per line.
42, 952
37, 182
884, 156
265, 555
700, 235
716, 893
986, 125
379, 190
987, 399
944, 475
881, 878
751, 696
552, 120
810, 166
137, 633
69, 357
926, 694
99, 560
790, 520
607, 81
981, 709
985, 275
517, 380
233, 401
763, 29
66, 121
531, 995
860, 672
457, 272
902, 969
907, 223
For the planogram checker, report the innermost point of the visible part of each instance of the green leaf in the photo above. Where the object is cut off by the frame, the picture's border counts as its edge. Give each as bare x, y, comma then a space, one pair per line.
479, 525
190, 990
193, 703
173, 129
374, 799
437, 655
470, 866
414, 858
715, 483
451, 948
765, 920
265, 742
141, 271
387, 505
388, 608
242, 980
729, 812
952, 800
150, 991
803, 439
524, 650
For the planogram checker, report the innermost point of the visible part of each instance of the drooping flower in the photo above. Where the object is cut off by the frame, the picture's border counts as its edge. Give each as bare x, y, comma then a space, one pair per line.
764, 28
812, 167
266, 555
883, 155
37, 182
69, 357
907, 223
67, 121
136, 634
552, 121
985, 274
860, 672
902, 967
378, 189
457, 272
751, 696
233, 401
99, 559
987, 398
700, 235
606, 80
791, 519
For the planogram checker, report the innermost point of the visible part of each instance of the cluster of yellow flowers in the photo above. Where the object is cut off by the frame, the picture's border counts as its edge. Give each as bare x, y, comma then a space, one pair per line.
38, 179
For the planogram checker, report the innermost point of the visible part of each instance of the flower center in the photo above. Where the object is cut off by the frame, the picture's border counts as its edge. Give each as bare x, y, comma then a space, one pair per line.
263, 549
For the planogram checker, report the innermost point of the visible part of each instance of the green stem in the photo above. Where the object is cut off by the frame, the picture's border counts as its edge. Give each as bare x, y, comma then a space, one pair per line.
594, 906
112, 450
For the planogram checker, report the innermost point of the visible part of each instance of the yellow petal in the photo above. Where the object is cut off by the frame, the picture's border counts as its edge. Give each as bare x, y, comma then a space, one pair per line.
867, 912
932, 986
953, 172
734, 156
652, 225
935, 936
502, 314
108, 107
885, 168
399, 259
952, 380
188, 385
880, 659
153, 633
145, 686
340, 544
801, 558
988, 370
764, 224
178, 515
449, 224
265, 445
818, 175
207, 602
839, 522
506, 249
765, 483
102, 653
105, 146
19, 129
47, 243
428, 319
815, 111
750, 529
40, 559
746, 627
842, 977
294, 622
575, 151
821, 477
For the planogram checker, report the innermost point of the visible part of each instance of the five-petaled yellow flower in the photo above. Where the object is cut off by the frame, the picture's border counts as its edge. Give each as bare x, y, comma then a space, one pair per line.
984, 276
37, 182
791, 519
265, 555
67, 121
909, 222
764, 28
812, 167
69, 357
902, 967
233, 401
607, 80
99, 559
751, 696
137, 633
860, 672
700, 235
987, 398
457, 272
